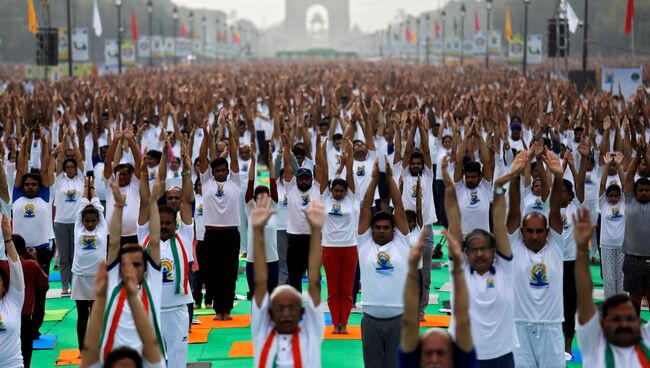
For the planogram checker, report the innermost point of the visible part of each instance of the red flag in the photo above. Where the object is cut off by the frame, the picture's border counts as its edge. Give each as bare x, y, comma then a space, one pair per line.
134, 26
629, 17
183, 31
477, 26
410, 37
436, 27
235, 38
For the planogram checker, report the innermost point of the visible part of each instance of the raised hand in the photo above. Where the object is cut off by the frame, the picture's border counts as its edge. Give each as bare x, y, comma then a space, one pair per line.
520, 162
553, 163
315, 214
608, 158
262, 212
416, 251
583, 147
455, 251
568, 156
582, 229
115, 187
618, 159
6, 228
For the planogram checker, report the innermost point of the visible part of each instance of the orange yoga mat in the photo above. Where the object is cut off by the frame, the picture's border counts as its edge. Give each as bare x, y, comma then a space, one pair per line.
68, 357
238, 321
198, 335
241, 349
431, 320
354, 333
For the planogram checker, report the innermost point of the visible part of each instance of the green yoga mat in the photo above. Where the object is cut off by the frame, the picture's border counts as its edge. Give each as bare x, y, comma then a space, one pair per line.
55, 315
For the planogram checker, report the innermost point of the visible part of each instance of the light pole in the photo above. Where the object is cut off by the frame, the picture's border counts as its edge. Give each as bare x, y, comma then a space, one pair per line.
428, 40
463, 11
389, 42
204, 23
216, 51
443, 17
69, 40
584, 46
118, 4
191, 16
417, 41
175, 17
488, 8
150, 13
526, 3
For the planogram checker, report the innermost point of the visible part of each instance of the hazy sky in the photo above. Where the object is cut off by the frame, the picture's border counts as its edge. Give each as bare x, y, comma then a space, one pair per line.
369, 15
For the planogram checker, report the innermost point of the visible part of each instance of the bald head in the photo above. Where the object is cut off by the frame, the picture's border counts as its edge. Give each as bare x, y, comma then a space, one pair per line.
173, 197
436, 349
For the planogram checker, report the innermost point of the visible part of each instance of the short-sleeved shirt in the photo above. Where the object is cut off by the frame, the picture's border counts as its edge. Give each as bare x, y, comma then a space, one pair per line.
637, 231
10, 312
341, 220
32, 217
297, 201
461, 358
612, 222
280, 354
131, 197
474, 205
221, 200
89, 245
409, 194
270, 235
567, 213
67, 192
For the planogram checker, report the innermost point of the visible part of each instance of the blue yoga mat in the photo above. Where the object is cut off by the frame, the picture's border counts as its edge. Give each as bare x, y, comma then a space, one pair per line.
45, 342
55, 277
328, 319
577, 356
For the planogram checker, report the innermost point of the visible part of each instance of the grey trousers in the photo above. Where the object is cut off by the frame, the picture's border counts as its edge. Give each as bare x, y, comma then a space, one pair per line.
64, 234
426, 269
379, 340
283, 245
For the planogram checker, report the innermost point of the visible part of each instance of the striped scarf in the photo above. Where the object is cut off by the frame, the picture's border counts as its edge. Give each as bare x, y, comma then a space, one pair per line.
295, 350
642, 352
181, 269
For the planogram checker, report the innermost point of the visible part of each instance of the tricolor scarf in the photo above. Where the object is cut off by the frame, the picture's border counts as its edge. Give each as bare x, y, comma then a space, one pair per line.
118, 297
642, 352
295, 349
176, 243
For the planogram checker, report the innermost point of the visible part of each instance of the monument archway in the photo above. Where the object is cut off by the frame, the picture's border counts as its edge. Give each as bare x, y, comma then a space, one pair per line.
316, 23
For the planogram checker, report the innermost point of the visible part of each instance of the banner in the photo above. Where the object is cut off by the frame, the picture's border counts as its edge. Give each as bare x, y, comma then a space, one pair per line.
494, 44
197, 47
144, 47
629, 78
63, 45
183, 47
80, 44
128, 52
157, 46
468, 48
480, 43
453, 46
170, 46
516, 49
110, 52
534, 52
436, 47
211, 50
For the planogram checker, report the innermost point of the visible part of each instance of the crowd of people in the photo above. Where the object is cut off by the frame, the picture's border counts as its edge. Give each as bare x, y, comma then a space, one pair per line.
144, 190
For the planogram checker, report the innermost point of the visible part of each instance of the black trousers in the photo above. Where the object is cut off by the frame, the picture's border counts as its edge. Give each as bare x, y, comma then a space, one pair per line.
26, 339
83, 313
439, 202
273, 274
297, 258
201, 275
44, 258
570, 306
223, 257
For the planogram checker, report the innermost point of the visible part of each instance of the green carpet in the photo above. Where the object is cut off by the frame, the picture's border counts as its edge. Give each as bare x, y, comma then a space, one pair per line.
335, 353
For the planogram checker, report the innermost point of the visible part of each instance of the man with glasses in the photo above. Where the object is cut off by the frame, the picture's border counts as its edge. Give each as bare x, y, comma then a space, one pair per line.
614, 338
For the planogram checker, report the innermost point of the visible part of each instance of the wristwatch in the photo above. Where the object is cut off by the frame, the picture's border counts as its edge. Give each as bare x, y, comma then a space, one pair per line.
499, 190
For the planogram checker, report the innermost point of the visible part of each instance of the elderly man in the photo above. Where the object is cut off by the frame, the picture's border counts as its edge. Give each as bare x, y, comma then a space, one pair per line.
286, 334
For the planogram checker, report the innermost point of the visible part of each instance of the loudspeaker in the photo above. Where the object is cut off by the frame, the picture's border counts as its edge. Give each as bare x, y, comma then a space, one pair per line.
575, 76
47, 46
558, 38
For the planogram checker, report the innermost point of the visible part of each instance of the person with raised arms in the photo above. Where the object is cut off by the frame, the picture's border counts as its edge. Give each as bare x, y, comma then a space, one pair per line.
12, 295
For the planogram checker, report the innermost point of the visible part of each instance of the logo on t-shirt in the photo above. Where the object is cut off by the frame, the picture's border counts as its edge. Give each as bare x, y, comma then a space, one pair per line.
167, 268
616, 213
176, 174
414, 191
336, 210
30, 210
152, 175
71, 195
244, 168
305, 198
384, 263
199, 210
588, 179
538, 276
537, 205
361, 171
123, 198
284, 201
220, 193
489, 283
337, 159
565, 221
473, 198
88, 242
3, 329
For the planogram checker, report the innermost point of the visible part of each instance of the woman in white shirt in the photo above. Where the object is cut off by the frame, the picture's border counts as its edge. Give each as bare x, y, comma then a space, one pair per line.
12, 295
90, 235
339, 241
68, 187
612, 227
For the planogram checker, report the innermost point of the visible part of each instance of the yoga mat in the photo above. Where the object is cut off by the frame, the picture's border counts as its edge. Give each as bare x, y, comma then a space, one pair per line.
431, 320
445, 287
45, 342
54, 277
238, 321
328, 319
199, 365
54, 294
354, 333
198, 336
55, 315
577, 356
241, 349
68, 357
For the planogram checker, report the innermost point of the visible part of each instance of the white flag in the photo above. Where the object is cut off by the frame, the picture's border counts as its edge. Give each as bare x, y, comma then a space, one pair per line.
97, 21
570, 15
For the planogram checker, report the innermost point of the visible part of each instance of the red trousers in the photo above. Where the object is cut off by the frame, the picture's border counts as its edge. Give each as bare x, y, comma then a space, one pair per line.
340, 265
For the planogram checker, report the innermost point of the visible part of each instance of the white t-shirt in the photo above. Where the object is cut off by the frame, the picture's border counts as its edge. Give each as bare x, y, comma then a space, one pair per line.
409, 193
474, 205
569, 241
270, 235
534, 203
198, 217
442, 153
297, 201
131, 210
89, 246
11, 306
32, 217
363, 172
537, 280
592, 184
281, 214
414, 238
173, 179
67, 192
383, 274
168, 267
100, 187
612, 222
333, 159
312, 327
593, 345
491, 309
341, 220
221, 199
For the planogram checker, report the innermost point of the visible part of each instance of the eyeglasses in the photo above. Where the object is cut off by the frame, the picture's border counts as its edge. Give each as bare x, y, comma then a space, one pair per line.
292, 308
619, 319
478, 250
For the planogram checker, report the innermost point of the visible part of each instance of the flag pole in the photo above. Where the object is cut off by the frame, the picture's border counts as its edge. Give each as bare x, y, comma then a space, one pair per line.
69, 40
633, 53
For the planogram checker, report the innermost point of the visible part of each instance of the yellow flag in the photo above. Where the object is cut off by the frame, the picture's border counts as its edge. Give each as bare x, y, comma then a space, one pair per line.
32, 22
508, 26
